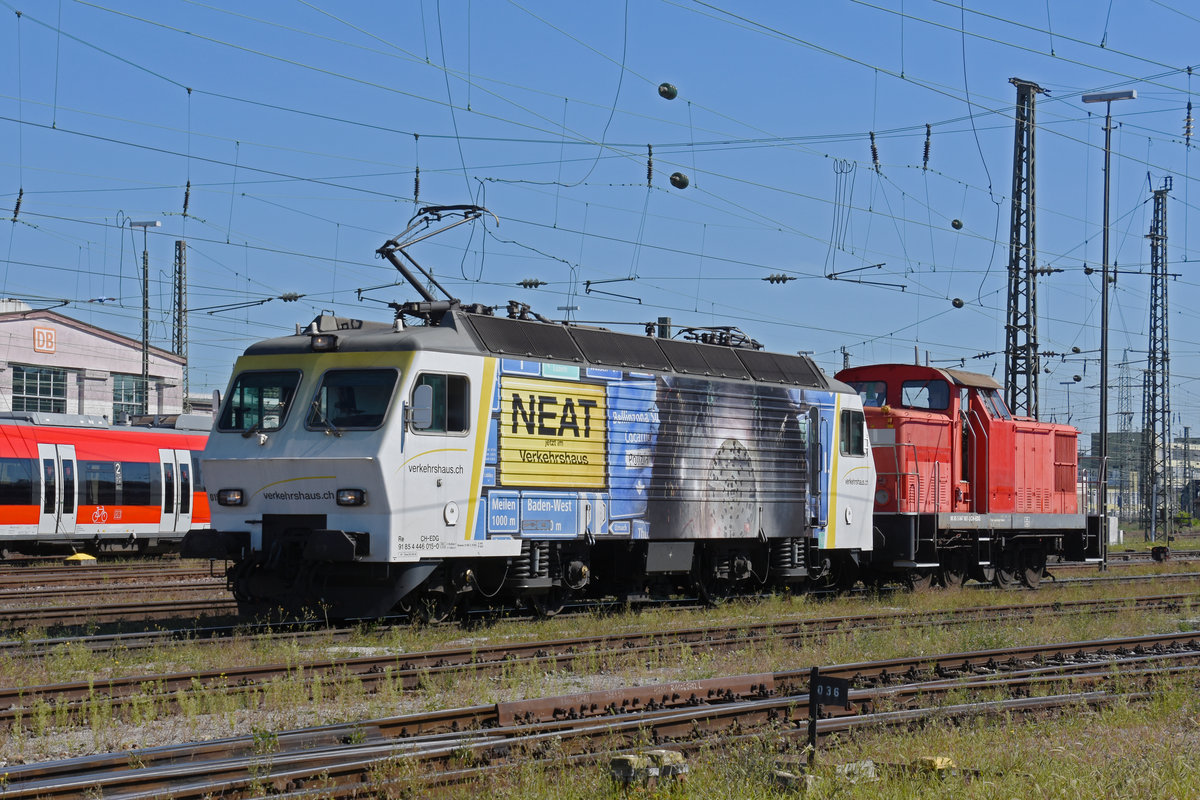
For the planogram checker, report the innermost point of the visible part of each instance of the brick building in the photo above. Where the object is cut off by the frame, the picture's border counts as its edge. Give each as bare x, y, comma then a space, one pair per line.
51, 362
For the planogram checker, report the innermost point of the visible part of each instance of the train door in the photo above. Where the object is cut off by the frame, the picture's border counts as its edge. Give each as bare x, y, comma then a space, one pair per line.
176, 466
59, 488
439, 449
818, 466
964, 494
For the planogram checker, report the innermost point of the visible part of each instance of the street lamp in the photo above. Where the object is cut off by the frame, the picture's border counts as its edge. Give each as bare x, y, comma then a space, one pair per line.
1074, 380
1107, 98
145, 310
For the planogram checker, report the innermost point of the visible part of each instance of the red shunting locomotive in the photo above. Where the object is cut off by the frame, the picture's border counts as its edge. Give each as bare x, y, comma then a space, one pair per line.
964, 489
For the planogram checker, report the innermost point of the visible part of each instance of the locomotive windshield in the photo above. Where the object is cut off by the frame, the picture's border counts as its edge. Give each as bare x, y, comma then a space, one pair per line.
259, 401
929, 395
352, 398
872, 393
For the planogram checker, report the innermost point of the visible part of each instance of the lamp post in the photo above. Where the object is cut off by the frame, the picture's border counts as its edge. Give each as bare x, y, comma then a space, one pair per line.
1074, 380
145, 310
1107, 98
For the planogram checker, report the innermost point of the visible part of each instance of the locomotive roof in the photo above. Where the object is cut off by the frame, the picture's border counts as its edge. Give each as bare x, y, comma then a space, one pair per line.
462, 332
975, 380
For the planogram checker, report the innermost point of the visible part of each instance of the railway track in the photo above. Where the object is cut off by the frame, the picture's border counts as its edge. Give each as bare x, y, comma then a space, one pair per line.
422, 752
154, 612
411, 671
21, 598
104, 574
210, 601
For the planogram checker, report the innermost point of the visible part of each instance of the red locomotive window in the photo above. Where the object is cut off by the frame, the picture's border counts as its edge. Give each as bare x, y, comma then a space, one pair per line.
998, 407
928, 395
872, 393
98, 481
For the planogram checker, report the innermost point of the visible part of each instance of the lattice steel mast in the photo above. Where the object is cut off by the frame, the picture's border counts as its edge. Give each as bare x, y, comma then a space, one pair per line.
1156, 393
1127, 453
1021, 348
179, 339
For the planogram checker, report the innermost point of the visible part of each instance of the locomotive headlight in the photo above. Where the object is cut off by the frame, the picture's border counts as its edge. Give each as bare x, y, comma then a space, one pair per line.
323, 342
230, 497
351, 497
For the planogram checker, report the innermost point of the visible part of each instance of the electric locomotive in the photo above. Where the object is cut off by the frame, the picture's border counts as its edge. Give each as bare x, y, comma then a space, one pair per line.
357, 468
455, 458
965, 489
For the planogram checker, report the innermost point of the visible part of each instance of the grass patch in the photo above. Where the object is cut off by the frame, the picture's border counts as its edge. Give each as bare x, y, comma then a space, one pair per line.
300, 699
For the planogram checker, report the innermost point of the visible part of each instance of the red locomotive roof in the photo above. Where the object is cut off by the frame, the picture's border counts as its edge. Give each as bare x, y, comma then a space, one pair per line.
917, 372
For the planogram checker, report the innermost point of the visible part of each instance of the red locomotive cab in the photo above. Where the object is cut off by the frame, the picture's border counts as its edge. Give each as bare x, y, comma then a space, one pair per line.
944, 441
964, 488
913, 416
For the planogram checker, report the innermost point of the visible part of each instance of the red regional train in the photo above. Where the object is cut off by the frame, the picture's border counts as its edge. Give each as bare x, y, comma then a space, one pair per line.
963, 488
71, 482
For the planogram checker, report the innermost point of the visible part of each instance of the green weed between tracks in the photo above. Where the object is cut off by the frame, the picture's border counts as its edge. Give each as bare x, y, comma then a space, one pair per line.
50, 730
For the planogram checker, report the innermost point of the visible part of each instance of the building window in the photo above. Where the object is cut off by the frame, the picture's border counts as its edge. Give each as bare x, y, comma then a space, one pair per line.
39, 389
129, 396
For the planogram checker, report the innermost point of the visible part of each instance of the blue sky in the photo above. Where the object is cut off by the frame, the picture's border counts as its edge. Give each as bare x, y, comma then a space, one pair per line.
306, 123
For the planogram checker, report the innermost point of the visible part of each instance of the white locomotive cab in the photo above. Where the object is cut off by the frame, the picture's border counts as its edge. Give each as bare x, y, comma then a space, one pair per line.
853, 479
434, 486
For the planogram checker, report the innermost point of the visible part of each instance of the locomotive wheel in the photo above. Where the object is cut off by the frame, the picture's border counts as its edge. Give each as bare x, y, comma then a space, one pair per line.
1033, 566
953, 572
711, 590
548, 604
836, 573
433, 606
1007, 576
919, 580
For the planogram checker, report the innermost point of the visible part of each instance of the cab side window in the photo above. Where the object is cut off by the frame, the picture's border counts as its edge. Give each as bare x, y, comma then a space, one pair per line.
852, 439
451, 402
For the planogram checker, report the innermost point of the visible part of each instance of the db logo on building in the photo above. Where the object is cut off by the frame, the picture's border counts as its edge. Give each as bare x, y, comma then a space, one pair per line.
43, 340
